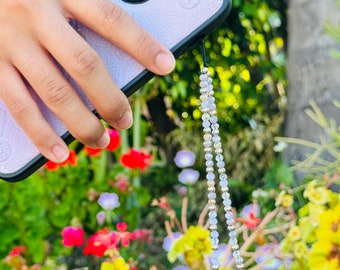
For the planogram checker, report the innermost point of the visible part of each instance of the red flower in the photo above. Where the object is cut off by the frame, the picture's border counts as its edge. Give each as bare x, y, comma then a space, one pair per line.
91, 152
71, 160
251, 222
114, 140
112, 146
100, 242
136, 159
73, 236
123, 235
51, 166
249, 216
18, 250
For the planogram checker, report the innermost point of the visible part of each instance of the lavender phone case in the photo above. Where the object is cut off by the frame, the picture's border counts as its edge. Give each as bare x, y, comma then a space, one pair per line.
178, 24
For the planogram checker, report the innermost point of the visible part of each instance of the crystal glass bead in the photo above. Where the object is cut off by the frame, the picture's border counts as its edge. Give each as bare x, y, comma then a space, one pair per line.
224, 183
214, 234
205, 117
216, 138
229, 215
204, 84
227, 202
209, 163
213, 221
211, 195
210, 176
212, 214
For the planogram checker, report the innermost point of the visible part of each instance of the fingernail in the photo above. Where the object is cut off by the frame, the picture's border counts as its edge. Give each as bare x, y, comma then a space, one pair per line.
60, 153
165, 62
103, 141
125, 121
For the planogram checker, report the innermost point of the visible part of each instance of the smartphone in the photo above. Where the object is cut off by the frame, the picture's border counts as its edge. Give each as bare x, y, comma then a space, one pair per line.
178, 24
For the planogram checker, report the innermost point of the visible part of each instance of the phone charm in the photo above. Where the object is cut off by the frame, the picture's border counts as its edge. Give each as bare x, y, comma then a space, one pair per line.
214, 153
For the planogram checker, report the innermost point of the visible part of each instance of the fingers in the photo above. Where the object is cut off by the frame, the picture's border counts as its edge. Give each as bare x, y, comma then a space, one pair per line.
84, 65
115, 25
25, 111
45, 34
54, 90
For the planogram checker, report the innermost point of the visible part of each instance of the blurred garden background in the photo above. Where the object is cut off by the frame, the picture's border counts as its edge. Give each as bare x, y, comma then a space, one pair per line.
141, 203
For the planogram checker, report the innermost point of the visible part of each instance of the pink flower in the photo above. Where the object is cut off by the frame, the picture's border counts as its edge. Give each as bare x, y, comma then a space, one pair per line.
123, 235
143, 235
73, 236
122, 183
16, 251
114, 140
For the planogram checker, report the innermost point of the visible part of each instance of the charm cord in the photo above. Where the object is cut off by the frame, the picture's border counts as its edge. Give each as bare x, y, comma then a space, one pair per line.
214, 152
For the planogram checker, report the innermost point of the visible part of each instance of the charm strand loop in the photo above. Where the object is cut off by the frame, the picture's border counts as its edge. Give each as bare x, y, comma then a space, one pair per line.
214, 159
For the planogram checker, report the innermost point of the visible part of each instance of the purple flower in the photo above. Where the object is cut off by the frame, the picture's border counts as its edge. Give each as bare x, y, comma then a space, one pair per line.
170, 240
184, 159
225, 255
268, 256
181, 190
181, 267
100, 217
108, 201
251, 209
188, 176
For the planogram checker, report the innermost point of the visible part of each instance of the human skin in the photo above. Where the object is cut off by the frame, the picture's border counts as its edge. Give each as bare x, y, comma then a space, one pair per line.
36, 33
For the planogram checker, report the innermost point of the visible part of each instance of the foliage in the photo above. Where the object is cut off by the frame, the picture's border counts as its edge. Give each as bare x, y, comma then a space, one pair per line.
325, 156
247, 57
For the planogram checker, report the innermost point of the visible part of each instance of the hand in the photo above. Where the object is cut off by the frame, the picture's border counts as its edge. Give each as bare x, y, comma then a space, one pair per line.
35, 32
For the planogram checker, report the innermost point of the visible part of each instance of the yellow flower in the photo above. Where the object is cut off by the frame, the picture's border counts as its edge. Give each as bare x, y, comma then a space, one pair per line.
325, 253
308, 226
117, 264
310, 187
329, 227
193, 245
334, 198
312, 210
319, 196
300, 250
284, 200
294, 233
324, 256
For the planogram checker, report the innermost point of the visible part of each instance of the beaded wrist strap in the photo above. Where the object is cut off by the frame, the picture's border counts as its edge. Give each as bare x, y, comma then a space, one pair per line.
214, 152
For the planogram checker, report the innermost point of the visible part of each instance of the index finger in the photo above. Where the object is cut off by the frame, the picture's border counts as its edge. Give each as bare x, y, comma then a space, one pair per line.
114, 24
